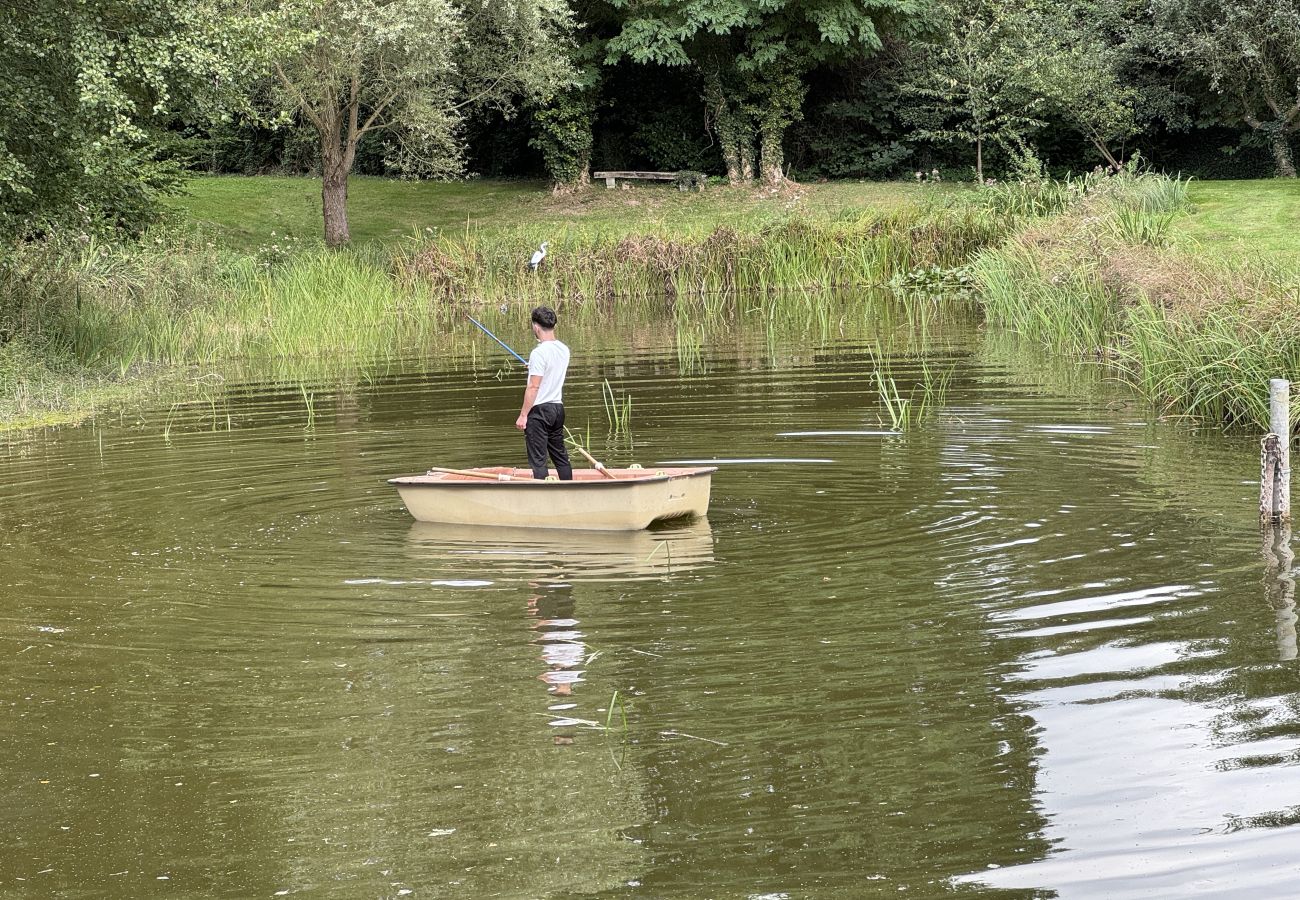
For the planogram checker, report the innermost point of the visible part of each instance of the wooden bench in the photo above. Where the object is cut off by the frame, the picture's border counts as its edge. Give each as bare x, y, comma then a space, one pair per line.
612, 178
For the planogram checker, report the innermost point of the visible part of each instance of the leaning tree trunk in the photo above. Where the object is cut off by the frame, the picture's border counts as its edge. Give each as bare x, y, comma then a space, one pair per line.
1114, 164
1277, 131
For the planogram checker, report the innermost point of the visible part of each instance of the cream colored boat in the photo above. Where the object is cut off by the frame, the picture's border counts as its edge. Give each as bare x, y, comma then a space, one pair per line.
631, 500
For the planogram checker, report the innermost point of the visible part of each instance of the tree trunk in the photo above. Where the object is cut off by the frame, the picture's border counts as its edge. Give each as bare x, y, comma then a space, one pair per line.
334, 203
1111, 162
1282, 155
979, 158
734, 136
581, 181
334, 192
731, 157
773, 156
747, 166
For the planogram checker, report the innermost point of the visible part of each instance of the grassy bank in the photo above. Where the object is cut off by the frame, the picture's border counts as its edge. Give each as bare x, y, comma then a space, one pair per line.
1245, 220
102, 315
1121, 275
1137, 270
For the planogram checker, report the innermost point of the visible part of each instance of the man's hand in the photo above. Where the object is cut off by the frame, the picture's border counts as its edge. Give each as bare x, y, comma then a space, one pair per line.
522, 422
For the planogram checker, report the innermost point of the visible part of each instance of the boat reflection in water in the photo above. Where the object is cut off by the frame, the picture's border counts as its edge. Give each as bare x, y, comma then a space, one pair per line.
555, 565
563, 555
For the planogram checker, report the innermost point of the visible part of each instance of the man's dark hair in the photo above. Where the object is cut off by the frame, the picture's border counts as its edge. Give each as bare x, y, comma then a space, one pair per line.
544, 316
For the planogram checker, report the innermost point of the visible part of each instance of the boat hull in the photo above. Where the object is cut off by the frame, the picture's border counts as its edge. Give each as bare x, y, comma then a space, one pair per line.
633, 499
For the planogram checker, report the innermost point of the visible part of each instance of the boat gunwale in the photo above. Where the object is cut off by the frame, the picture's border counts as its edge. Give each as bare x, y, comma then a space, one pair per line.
521, 481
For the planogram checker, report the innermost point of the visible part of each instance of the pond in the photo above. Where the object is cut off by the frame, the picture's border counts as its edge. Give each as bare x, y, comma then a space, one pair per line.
1028, 648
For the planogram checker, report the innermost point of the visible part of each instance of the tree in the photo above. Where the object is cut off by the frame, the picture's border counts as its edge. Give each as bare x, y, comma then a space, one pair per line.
565, 135
1075, 65
754, 58
88, 88
565, 124
1248, 51
349, 68
971, 83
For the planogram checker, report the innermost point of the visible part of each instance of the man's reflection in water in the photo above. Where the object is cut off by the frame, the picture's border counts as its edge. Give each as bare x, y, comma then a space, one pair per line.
551, 611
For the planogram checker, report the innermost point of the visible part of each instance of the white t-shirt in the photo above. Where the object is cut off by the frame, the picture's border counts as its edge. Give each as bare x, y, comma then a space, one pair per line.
549, 359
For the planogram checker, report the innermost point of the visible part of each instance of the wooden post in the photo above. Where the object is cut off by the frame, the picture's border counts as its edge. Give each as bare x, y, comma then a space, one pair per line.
1275, 459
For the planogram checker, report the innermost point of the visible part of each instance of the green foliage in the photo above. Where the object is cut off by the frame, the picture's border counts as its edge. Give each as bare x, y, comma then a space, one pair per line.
1074, 66
88, 85
973, 84
1248, 52
564, 135
406, 67
754, 58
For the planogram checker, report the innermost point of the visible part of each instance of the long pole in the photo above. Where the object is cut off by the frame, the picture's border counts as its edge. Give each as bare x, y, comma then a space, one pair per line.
484, 329
600, 466
470, 473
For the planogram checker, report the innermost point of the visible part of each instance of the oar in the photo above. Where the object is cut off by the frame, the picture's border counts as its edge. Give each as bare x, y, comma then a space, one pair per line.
600, 466
470, 473
484, 329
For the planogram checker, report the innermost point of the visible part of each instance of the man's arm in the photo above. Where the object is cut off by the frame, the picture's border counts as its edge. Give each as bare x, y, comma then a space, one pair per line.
530, 397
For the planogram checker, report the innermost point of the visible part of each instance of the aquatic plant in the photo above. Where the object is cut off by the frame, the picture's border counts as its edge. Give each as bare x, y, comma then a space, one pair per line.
618, 410
690, 349
309, 401
921, 404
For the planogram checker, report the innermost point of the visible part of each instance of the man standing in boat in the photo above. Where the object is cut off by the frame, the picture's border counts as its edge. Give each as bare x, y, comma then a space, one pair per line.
542, 417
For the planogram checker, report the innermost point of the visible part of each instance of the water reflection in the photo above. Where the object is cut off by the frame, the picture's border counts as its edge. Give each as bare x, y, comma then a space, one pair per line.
1279, 580
1029, 636
552, 556
564, 654
557, 633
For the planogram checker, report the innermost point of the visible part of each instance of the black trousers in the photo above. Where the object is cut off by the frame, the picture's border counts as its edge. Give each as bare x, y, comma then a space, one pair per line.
544, 434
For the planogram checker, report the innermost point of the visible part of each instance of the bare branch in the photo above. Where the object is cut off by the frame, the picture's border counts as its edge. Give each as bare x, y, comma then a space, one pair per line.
306, 107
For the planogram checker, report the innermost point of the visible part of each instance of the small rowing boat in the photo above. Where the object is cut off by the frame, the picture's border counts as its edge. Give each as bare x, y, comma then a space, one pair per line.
598, 499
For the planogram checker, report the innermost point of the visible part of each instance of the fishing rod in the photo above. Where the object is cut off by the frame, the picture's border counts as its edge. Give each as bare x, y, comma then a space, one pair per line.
484, 329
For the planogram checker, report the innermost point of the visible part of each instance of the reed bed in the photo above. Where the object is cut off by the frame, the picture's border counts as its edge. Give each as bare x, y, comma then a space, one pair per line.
1195, 335
1085, 266
705, 275
173, 299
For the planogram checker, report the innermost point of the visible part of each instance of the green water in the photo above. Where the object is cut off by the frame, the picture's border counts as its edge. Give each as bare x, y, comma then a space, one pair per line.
1029, 649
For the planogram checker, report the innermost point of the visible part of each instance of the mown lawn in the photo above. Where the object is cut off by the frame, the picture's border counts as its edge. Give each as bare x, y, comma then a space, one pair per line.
252, 212
1246, 219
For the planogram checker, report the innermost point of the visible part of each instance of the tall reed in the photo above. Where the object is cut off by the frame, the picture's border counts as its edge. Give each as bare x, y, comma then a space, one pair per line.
618, 409
1195, 335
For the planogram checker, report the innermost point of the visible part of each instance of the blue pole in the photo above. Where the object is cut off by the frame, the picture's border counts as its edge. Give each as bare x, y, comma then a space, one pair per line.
497, 339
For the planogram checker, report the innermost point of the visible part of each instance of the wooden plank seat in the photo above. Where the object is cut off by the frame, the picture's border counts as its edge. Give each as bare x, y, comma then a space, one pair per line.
612, 178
